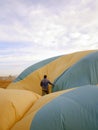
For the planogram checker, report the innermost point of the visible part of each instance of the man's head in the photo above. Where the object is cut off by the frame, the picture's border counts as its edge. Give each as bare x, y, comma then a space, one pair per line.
45, 76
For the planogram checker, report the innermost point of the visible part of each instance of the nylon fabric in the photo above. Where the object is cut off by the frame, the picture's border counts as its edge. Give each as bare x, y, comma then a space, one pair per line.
33, 68
73, 110
53, 70
24, 123
72, 107
81, 73
13, 106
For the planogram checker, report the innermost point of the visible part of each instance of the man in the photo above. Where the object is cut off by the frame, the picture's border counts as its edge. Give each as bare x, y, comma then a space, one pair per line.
44, 84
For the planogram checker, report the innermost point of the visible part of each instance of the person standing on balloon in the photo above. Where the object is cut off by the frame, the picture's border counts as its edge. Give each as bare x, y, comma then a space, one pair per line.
45, 85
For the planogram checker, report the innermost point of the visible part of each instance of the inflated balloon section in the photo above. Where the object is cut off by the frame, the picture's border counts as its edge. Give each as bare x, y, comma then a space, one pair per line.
72, 103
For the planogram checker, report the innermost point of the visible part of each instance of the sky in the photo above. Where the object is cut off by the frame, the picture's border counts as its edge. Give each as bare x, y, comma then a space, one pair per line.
34, 30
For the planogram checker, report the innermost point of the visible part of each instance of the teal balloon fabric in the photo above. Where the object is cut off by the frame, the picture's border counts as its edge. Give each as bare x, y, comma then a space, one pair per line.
74, 110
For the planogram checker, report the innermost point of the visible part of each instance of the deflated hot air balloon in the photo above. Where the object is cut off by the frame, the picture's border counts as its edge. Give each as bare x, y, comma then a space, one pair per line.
66, 71
71, 104
72, 109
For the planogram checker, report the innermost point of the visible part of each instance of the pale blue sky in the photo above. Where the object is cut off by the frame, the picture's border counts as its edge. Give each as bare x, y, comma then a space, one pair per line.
33, 30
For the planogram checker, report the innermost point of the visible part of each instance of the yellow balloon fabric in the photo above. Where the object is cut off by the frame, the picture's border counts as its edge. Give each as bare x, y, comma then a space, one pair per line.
13, 106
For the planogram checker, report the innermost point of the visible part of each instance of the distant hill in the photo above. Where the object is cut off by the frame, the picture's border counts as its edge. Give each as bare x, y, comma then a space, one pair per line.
6, 80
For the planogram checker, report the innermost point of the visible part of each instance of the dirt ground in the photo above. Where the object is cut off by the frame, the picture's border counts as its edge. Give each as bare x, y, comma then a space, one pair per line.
5, 81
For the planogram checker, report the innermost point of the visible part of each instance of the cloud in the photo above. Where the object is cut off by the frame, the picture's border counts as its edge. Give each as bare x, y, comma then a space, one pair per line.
33, 30
39, 25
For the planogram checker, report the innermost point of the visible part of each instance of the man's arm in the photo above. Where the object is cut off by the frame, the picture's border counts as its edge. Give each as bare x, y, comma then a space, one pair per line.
51, 83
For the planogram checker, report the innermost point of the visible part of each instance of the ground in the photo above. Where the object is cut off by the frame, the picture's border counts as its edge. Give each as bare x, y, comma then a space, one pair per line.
6, 80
